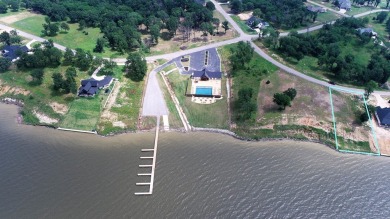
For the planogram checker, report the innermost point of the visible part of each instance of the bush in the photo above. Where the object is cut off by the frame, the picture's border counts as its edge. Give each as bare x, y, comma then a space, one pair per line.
363, 117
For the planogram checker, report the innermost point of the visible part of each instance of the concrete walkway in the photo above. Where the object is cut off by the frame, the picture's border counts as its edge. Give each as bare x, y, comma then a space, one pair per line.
154, 103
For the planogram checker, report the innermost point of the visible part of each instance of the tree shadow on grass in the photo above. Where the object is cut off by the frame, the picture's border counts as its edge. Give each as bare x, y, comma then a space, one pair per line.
166, 36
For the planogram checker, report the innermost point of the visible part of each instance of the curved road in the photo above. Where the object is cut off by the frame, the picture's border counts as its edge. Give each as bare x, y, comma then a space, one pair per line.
243, 37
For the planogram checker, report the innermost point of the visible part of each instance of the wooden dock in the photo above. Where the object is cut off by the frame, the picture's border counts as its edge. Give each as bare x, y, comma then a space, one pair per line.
153, 165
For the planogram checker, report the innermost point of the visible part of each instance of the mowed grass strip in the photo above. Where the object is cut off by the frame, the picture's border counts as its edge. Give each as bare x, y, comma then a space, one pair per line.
200, 115
73, 39
83, 114
243, 25
173, 117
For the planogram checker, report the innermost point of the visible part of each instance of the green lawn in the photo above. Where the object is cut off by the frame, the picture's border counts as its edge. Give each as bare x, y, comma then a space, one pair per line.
10, 12
83, 114
347, 108
41, 95
358, 10
243, 26
72, 39
200, 115
309, 65
169, 67
326, 17
173, 117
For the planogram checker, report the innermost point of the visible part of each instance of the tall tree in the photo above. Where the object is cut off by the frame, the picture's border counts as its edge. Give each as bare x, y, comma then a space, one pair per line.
64, 26
282, 100
3, 8
37, 75
5, 37
68, 57
15, 5
99, 45
225, 25
155, 33
58, 81
4, 64
291, 92
241, 55
236, 6
136, 66
210, 6
369, 88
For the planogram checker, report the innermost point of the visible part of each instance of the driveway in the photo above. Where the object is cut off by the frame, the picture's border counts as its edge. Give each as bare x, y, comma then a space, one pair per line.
154, 102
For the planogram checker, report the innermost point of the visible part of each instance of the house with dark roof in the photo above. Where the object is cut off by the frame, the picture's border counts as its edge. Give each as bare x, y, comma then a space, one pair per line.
205, 84
255, 22
315, 9
366, 30
12, 52
344, 4
383, 116
205, 75
91, 86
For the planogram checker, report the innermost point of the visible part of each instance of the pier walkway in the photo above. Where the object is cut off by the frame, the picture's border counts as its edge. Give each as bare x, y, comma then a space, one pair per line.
147, 166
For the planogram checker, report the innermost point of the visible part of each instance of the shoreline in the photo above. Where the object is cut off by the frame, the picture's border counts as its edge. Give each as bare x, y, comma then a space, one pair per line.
19, 118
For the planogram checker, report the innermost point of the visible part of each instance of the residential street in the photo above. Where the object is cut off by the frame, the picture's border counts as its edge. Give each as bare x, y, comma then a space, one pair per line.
154, 103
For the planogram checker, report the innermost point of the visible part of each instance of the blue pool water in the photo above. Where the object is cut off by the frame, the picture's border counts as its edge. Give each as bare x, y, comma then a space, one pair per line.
204, 91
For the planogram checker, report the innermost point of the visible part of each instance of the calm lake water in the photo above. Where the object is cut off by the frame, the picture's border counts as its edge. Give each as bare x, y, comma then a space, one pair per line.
45, 173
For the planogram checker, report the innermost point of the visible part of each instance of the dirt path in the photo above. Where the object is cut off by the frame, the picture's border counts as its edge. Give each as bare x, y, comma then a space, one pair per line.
383, 137
380, 101
17, 17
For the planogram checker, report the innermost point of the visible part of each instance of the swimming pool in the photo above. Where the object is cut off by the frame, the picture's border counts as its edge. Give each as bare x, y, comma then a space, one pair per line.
206, 91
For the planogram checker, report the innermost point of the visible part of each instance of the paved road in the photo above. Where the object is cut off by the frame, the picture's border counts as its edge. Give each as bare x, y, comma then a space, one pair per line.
154, 102
29, 36
153, 91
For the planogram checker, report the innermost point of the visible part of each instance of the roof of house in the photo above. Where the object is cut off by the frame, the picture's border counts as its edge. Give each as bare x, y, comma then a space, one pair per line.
345, 4
253, 19
383, 115
208, 74
314, 8
365, 30
11, 51
91, 86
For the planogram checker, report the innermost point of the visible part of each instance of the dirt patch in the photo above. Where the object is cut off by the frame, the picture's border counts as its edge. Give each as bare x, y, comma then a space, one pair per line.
59, 108
107, 115
383, 138
119, 124
112, 98
44, 118
17, 17
245, 16
4, 89
313, 122
380, 101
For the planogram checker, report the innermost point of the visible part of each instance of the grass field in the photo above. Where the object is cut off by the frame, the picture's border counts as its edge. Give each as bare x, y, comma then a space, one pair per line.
243, 78
309, 65
83, 114
351, 134
39, 97
72, 39
173, 117
200, 115
126, 105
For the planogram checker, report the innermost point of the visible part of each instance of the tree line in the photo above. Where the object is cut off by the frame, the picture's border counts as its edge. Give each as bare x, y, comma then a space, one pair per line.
282, 13
326, 46
122, 22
